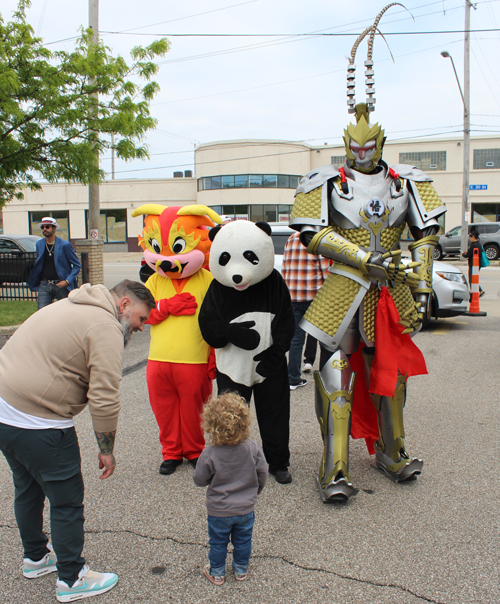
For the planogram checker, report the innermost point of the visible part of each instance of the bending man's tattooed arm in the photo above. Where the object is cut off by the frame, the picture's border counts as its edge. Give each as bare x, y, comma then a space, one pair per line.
106, 442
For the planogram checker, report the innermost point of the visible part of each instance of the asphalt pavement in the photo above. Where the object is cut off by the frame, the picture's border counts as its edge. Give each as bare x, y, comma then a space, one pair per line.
433, 540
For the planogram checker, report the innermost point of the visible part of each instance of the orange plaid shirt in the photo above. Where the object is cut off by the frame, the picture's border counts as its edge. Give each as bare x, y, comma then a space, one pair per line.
304, 273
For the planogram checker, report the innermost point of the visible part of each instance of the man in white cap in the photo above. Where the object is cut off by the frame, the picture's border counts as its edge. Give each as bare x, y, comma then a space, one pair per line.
57, 266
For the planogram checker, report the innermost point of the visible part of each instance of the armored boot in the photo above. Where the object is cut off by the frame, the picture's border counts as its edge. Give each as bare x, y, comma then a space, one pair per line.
390, 453
333, 398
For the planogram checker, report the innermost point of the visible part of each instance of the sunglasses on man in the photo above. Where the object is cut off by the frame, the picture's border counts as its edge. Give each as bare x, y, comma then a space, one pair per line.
47, 226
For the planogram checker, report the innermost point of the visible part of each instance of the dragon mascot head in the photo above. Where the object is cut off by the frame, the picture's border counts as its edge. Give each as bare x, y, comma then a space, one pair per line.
175, 239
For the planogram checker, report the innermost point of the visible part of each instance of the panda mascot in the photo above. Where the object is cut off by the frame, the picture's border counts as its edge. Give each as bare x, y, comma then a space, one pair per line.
247, 317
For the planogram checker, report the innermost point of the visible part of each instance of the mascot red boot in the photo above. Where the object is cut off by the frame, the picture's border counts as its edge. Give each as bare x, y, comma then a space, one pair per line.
176, 246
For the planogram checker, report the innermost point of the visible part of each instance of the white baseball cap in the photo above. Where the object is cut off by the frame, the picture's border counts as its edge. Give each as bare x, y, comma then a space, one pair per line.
48, 220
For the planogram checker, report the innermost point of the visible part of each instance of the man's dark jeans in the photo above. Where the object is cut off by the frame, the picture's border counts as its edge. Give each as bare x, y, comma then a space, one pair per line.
295, 354
48, 292
46, 463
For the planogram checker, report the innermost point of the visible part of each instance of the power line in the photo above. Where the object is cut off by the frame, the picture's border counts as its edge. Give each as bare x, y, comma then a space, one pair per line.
312, 35
409, 138
215, 10
342, 70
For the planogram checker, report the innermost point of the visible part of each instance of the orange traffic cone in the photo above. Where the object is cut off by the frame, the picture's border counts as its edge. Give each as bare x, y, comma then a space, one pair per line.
474, 285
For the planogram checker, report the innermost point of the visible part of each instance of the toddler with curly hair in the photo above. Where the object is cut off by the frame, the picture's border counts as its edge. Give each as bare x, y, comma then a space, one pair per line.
235, 470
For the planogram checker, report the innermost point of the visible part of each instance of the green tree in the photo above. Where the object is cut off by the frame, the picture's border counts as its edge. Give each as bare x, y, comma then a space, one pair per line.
52, 124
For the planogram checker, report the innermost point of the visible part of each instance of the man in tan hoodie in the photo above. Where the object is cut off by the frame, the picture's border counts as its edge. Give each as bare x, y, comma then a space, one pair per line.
44, 383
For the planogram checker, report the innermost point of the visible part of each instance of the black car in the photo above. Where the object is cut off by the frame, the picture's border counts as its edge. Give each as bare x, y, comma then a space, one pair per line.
17, 257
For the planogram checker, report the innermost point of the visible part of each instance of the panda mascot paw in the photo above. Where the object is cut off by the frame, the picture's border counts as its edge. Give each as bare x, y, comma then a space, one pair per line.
268, 362
243, 336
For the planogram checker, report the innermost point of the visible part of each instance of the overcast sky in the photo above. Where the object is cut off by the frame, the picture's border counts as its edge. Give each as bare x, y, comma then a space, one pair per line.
269, 81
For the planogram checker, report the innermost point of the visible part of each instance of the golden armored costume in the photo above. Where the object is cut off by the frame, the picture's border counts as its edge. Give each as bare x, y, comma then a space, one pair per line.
355, 216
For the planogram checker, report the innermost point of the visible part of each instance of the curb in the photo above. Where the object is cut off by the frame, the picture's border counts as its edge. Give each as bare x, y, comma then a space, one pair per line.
8, 330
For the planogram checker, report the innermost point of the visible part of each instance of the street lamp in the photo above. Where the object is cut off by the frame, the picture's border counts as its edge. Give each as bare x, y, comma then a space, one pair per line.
447, 55
465, 186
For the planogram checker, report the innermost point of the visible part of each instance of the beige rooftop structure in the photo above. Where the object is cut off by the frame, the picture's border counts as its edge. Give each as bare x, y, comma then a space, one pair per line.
255, 180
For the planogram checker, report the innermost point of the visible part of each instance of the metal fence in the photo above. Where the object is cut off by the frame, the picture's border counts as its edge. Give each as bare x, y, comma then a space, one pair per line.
15, 269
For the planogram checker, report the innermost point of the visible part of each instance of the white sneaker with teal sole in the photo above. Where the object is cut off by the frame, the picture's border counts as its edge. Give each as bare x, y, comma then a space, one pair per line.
88, 584
46, 565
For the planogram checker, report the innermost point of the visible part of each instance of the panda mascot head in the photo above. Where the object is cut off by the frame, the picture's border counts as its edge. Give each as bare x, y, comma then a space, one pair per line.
242, 253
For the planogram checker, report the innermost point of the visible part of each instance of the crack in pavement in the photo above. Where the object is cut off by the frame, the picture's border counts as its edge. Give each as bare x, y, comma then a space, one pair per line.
263, 557
134, 367
282, 558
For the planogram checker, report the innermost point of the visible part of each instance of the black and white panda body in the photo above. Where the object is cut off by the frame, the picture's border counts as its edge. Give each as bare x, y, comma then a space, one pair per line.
247, 316
246, 288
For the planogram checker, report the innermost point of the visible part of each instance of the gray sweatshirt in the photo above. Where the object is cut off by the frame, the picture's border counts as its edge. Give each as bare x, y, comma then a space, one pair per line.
235, 475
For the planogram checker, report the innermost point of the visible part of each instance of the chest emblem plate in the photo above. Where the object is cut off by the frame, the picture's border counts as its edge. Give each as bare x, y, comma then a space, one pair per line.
375, 207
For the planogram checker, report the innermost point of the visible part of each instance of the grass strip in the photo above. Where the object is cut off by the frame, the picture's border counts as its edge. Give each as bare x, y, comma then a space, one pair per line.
14, 312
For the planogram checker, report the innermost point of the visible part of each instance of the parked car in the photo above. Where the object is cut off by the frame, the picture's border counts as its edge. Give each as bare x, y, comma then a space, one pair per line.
489, 236
450, 291
17, 257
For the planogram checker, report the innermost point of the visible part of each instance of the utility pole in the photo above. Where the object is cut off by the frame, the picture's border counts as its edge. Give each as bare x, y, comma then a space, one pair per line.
94, 200
466, 98
112, 157
91, 249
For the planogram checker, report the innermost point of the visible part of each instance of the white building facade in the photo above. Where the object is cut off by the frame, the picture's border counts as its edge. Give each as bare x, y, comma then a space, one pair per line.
255, 180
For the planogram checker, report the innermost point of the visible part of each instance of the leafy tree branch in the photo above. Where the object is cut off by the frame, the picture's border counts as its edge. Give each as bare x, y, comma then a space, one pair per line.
58, 110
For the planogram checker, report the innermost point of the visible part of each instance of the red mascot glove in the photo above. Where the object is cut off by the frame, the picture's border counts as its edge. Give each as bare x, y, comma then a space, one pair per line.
180, 304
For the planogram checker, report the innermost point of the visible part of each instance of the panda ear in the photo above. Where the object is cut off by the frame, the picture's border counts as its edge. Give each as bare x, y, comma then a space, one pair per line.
213, 232
265, 227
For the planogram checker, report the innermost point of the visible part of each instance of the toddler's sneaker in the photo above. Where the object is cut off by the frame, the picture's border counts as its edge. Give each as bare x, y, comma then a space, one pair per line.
46, 565
241, 576
307, 368
212, 578
88, 584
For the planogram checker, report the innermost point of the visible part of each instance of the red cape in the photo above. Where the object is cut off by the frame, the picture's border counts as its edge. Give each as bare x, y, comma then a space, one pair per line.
395, 353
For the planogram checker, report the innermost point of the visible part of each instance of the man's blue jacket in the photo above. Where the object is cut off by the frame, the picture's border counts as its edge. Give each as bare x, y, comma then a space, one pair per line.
66, 261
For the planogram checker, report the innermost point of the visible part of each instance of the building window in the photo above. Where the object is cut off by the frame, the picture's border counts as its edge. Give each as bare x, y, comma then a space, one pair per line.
270, 213
245, 181
228, 182
425, 160
62, 218
267, 213
338, 160
283, 213
257, 212
112, 226
283, 181
485, 212
486, 159
241, 181
255, 180
270, 180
